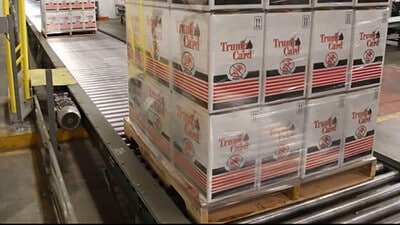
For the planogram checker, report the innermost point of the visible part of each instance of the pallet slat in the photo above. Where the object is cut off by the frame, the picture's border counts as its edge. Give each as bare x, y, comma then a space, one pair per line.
347, 177
70, 33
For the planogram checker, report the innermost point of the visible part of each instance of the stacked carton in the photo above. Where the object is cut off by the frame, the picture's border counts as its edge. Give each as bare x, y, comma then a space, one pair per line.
65, 16
365, 77
216, 152
330, 52
212, 80
360, 121
286, 56
281, 143
239, 104
217, 58
324, 126
369, 42
347, 90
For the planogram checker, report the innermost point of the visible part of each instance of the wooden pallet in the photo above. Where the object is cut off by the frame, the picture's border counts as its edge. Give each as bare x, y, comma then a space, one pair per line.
346, 177
70, 33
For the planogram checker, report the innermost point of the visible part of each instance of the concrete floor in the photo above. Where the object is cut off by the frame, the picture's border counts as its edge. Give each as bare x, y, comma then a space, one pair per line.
24, 192
83, 171
23, 198
113, 27
387, 131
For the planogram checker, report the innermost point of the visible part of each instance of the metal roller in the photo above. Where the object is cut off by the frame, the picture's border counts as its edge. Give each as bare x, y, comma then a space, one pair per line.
393, 219
289, 211
362, 200
372, 213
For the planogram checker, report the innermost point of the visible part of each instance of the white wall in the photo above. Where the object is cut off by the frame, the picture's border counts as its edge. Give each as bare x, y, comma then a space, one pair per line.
1, 7
107, 8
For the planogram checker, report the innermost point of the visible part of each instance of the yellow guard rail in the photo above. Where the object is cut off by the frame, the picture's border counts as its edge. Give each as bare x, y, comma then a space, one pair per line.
21, 51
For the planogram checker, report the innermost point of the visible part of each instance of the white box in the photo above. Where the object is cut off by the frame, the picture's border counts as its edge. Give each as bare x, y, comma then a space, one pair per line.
287, 4
281, 143
361, 115
89, 18
52, 23
332, 3
371, 3
88, 4
368, 47
330, 52
77, 20
157, 110
136, 96
63, 4
286, 55
50, 4
64, 20
76, 4
217, 153
217, 58
324, 130
150, 107
148, 36
216, 4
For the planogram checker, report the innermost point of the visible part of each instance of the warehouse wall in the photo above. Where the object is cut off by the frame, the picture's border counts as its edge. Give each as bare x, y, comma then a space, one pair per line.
107, 8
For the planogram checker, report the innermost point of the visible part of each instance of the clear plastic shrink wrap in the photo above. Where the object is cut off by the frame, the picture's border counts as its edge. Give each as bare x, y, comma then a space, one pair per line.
242, 97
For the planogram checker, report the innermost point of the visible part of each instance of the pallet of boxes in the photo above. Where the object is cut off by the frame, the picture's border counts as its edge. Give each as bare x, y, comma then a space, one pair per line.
68, 17
251, 106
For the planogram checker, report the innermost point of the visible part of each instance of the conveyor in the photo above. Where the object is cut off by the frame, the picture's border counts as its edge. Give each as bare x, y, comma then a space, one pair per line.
98, 63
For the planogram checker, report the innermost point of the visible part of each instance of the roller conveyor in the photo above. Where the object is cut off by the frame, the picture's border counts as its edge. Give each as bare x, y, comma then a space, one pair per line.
95, 64
98, 63
380, 210
318, 203
394, 219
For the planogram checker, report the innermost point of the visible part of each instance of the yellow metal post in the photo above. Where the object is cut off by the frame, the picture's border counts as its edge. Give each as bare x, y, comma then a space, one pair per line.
24, 48
13, 105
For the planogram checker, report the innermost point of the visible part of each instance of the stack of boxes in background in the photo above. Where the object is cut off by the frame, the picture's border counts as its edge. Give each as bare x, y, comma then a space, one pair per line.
255, 96
66, 16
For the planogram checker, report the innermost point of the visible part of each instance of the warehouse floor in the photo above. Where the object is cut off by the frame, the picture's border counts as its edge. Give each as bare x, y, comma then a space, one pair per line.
19, 199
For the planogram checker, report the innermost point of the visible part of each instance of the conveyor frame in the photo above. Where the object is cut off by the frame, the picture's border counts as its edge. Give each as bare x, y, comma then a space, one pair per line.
152, 204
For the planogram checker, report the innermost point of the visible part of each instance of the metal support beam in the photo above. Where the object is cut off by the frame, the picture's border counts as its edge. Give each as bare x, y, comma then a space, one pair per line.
13, 24
63, 204
152, 203
50, 109
3, 25
14, 89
